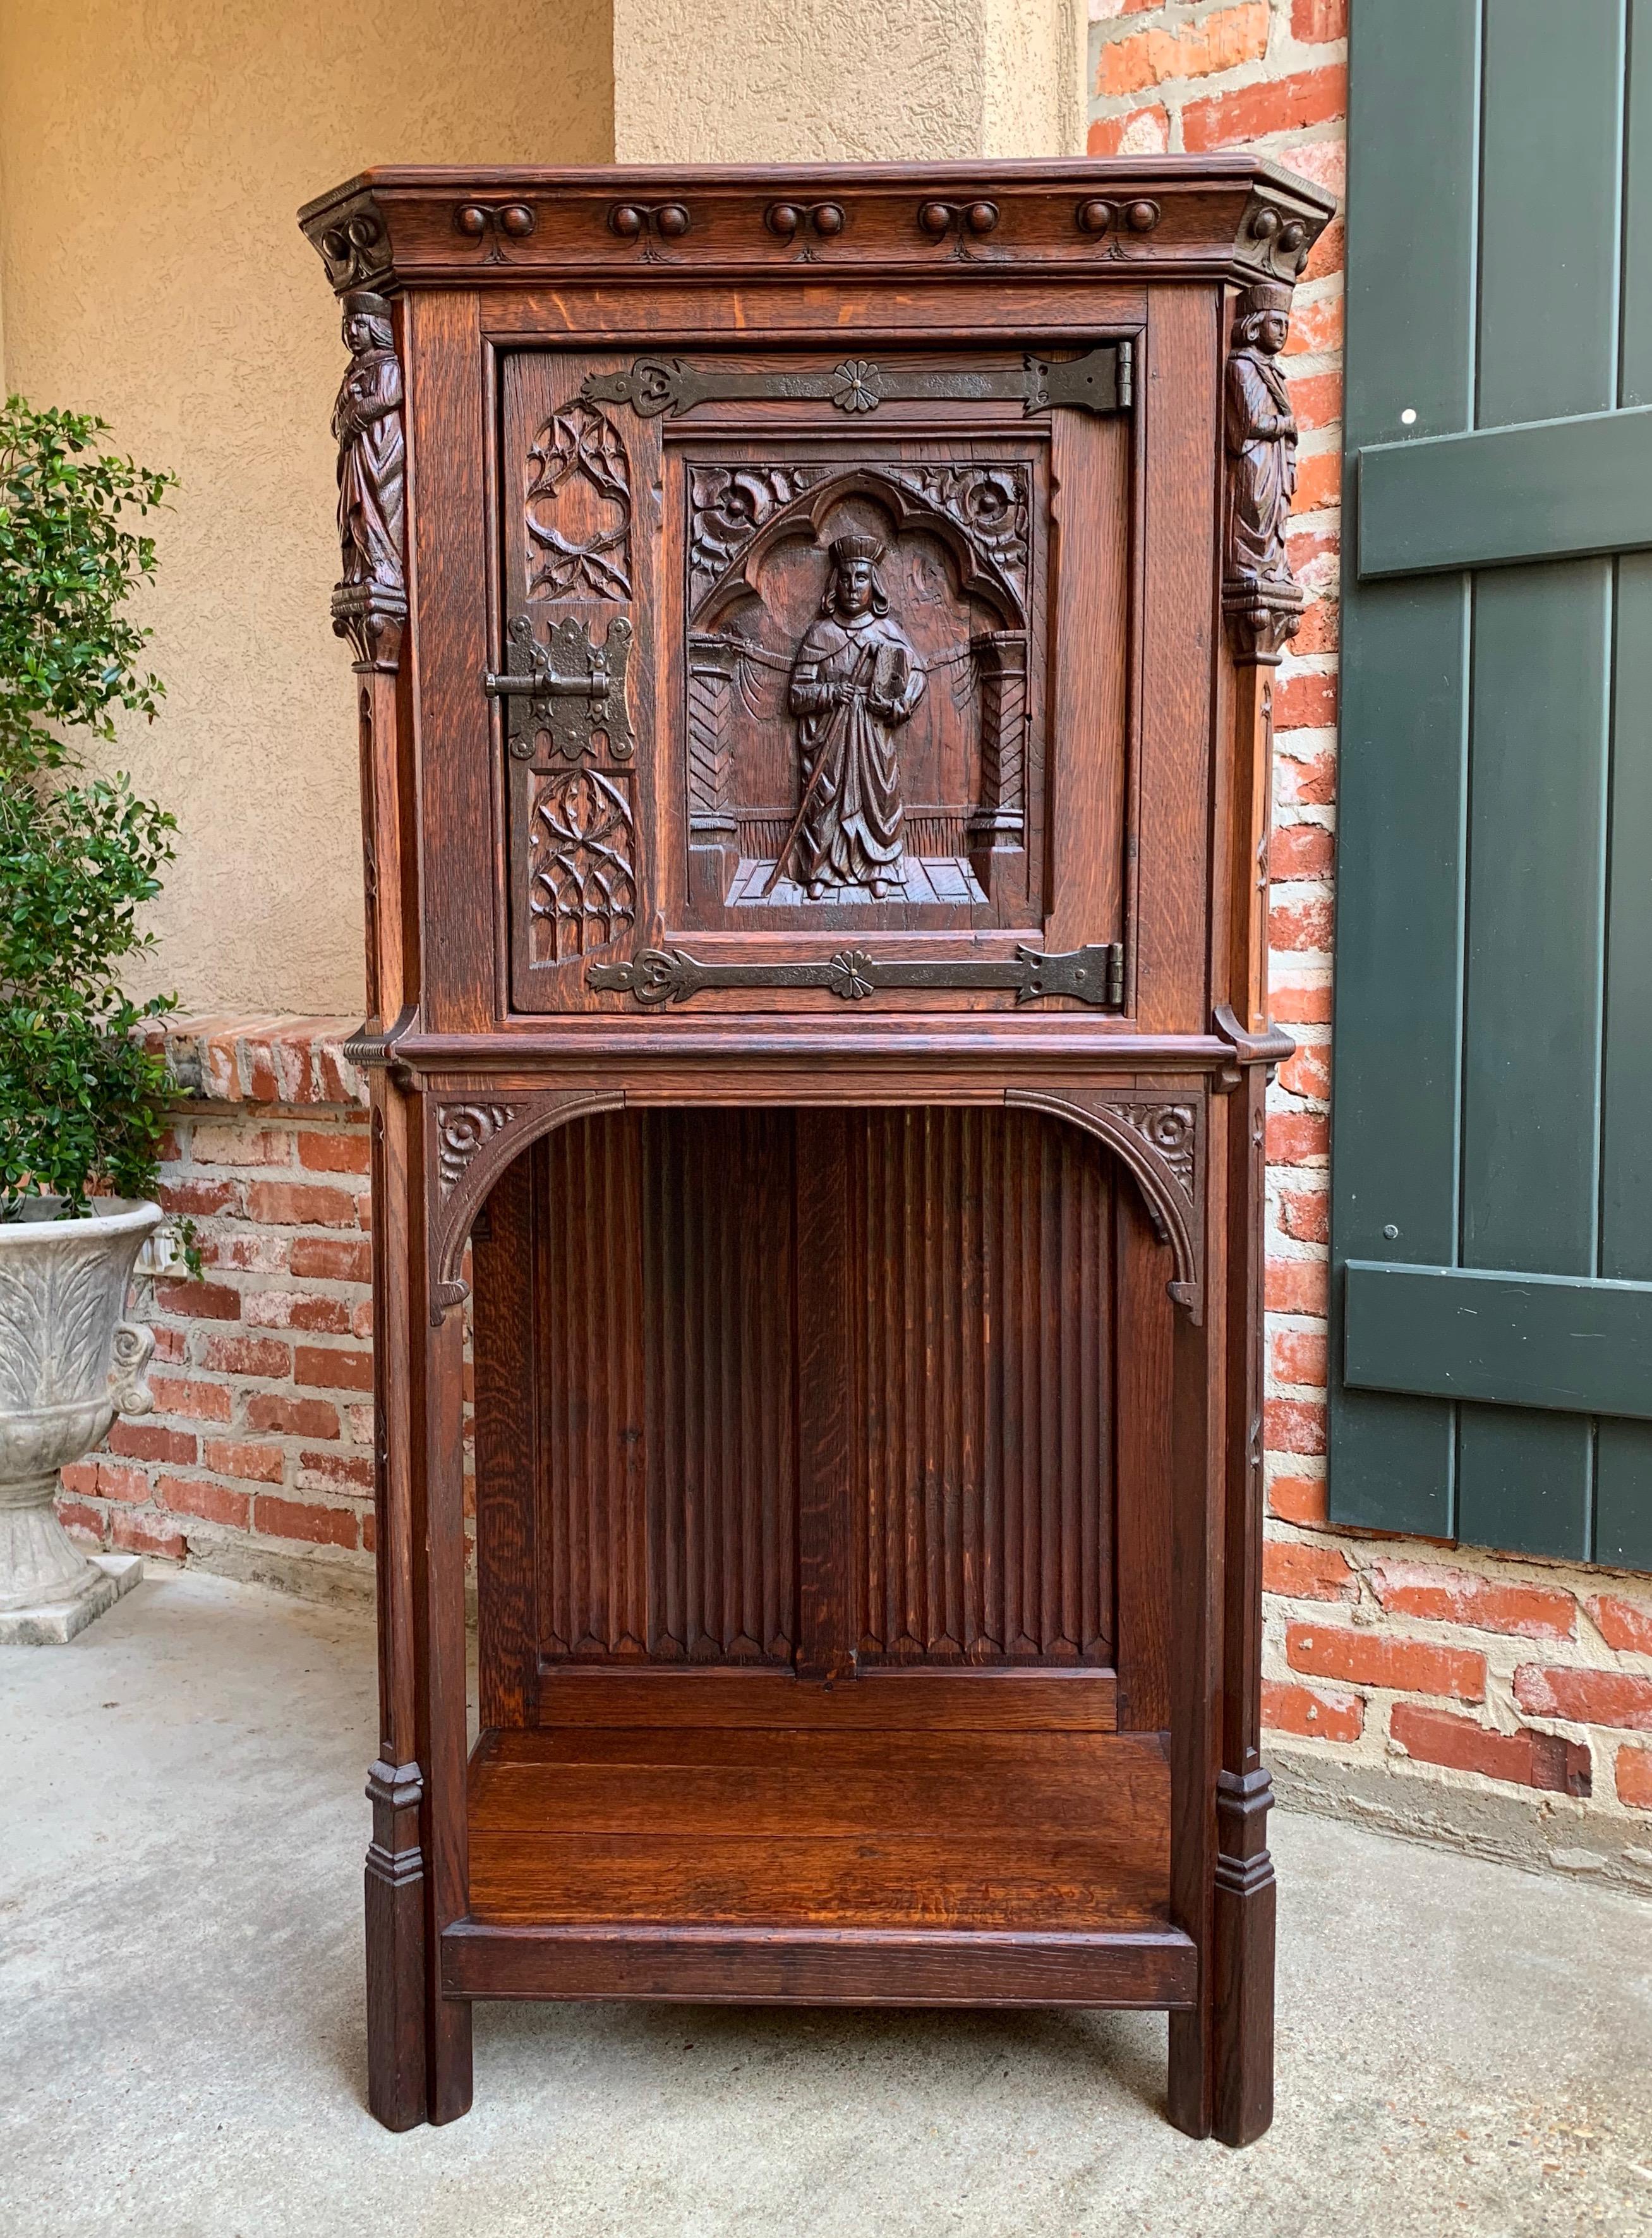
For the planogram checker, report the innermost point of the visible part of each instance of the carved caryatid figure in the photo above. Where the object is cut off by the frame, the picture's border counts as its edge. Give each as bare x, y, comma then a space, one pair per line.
855, 681
1261, 439
366, 422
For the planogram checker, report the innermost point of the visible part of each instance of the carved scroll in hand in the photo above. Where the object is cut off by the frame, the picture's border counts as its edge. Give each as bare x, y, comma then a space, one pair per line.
577, 450
1261, 598
371, 599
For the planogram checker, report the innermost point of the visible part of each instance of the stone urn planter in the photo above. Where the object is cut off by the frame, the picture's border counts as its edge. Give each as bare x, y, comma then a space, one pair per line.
69, 1364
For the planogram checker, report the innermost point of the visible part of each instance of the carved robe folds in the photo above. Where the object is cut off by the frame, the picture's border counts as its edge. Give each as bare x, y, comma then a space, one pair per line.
367, 424
851, 824
1261, 442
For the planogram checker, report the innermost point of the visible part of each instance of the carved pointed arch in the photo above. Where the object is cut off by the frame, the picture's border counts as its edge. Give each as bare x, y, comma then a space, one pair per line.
470, 1140
1159, 1134
979, 577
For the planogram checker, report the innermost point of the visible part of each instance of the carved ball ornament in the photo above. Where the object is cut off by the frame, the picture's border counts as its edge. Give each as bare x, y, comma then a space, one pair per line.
939, 219
515, 220
787, 219
360, 233
1096, 217
631, 221
1284, 242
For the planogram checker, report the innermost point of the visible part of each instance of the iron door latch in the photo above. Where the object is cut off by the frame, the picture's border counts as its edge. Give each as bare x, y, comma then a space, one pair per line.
571, 687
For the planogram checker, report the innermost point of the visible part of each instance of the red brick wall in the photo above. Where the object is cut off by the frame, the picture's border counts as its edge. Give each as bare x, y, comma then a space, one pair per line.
1466, 1668
262, 1429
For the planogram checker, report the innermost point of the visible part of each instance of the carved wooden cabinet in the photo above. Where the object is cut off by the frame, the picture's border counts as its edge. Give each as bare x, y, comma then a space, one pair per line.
812, 635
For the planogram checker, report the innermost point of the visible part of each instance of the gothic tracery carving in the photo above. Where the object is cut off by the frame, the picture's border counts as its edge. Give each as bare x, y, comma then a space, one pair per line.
577, 448
582, 870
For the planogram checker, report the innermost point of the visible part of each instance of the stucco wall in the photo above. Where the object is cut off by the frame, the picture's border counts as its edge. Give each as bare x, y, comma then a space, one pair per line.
807, 81
151, 160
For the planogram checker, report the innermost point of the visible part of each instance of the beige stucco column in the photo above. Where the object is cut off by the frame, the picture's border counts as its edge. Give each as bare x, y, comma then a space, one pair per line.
807, 81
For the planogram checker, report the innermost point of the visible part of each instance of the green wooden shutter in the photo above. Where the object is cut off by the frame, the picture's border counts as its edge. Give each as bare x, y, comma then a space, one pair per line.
1492, 1094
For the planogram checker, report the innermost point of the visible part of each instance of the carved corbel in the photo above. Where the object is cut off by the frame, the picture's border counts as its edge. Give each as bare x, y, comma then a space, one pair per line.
470, 1141
1277, 233
354, 244
1159, 1134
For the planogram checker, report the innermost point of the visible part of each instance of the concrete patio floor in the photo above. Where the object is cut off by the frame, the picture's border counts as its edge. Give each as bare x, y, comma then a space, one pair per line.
1462, 2047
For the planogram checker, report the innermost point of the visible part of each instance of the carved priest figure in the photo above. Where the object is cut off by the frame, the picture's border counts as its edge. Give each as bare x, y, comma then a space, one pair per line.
1261, 439
366, 420
855, 681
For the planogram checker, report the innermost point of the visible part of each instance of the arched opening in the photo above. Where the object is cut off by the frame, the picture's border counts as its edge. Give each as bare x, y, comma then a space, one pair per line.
823, 1526
880, 1349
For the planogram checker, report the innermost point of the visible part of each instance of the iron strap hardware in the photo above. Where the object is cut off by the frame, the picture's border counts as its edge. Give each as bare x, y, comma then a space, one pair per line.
1098, 381
657, 976
585, 693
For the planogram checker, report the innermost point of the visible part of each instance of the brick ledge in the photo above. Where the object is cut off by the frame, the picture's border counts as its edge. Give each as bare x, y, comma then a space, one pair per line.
261, 1058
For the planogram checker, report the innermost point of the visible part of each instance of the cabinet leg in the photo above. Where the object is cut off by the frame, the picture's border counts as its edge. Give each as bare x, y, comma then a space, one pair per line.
394, 1889
1188, 2102
450, 2079
1244, 1934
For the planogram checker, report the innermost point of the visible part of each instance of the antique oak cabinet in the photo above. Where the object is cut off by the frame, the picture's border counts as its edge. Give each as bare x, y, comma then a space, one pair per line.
813, 633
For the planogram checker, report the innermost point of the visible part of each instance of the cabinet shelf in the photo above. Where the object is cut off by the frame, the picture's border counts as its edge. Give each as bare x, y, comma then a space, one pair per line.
813, 1865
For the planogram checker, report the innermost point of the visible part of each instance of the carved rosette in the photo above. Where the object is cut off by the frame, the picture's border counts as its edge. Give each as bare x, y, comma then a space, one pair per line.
461, 1129
1172, 1131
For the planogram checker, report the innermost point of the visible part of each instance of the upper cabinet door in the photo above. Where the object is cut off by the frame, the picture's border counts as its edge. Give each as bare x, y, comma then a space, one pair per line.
812, 676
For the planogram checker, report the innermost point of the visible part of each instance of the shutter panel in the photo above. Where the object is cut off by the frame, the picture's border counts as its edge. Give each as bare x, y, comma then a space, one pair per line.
1491, 1175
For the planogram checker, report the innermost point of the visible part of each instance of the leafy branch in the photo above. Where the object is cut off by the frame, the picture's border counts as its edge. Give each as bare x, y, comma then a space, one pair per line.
79, 1096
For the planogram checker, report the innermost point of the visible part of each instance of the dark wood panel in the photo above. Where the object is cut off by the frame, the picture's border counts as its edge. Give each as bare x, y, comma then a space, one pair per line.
746, 1370
1143, 1439
668, 1453
509, 1399
820, 1966
985, 1387
954, 1281
1033, 1830
718, 1253
1012, 1698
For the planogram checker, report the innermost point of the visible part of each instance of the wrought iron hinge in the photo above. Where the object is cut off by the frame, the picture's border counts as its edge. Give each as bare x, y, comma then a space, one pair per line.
657, 976
1097, 382
572, 688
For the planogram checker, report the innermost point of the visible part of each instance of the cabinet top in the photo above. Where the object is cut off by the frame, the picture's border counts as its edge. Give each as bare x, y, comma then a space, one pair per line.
1231, 217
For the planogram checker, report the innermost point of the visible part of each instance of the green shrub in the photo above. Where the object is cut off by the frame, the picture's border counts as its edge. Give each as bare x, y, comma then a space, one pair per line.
80, 1098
